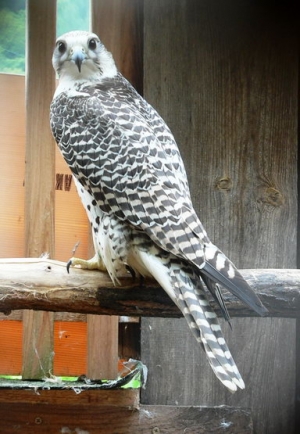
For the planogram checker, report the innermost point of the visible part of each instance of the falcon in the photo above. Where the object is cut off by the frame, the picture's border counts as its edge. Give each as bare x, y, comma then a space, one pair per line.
132, 182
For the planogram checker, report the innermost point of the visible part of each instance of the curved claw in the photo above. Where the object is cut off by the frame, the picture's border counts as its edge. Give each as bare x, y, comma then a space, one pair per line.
69, 264
95, 263
131, 271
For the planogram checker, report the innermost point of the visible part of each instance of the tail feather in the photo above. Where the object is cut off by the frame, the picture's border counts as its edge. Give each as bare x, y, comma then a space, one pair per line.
181, 282
217, 295
219, 268
204, 325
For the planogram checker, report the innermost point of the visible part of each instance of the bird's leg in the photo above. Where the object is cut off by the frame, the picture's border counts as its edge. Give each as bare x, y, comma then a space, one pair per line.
142, 281
131, 271
95, 263
133, 275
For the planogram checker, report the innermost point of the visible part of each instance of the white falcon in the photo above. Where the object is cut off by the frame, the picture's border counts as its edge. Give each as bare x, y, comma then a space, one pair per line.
133, 185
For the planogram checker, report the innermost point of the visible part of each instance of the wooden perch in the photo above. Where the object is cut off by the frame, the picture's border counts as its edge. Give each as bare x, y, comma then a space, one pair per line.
42, 284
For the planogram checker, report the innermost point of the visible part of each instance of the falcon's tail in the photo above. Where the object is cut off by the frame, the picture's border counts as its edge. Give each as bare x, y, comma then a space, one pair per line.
204, 325
183, 285
218, 268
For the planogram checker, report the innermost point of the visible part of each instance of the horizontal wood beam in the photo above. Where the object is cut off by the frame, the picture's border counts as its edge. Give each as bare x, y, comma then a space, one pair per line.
43, 284
92, 412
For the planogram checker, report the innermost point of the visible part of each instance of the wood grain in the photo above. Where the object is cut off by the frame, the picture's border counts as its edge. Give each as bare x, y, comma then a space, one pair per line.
71, 418
224, 76
40, 147
39, 177
118, 25
45, 284
112, 398
102, 346
12, 156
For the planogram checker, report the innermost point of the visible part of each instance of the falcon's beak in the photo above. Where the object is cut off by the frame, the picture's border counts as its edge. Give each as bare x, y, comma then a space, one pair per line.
78, 57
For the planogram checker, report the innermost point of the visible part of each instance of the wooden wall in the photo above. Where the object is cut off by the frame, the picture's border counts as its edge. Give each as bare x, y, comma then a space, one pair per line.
12, 156
71, 225
69, 337
68, 232
224, 76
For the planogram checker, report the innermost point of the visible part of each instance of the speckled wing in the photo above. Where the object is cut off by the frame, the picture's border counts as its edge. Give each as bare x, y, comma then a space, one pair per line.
123, 153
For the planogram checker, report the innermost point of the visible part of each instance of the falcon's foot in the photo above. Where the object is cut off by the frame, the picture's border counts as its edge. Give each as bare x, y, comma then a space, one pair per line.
94, 263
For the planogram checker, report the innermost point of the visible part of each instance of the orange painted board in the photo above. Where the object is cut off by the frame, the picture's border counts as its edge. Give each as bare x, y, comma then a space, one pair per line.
69, 348
11, 347
71, 223
12, 157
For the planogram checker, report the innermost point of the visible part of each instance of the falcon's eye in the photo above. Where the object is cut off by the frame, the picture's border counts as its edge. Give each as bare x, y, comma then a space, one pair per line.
92, 44
61, 47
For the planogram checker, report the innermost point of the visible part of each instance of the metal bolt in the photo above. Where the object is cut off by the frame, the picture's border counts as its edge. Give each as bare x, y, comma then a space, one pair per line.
156, 430
38, 420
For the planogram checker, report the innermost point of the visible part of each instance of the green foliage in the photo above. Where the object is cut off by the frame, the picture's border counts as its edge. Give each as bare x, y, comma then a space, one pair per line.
12, 40
71, 15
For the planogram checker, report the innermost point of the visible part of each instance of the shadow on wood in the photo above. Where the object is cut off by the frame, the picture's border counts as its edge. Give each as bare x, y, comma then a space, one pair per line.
42, 284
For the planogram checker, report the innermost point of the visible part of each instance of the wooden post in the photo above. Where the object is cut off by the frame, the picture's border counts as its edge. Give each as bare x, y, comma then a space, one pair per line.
116, 24
39, 176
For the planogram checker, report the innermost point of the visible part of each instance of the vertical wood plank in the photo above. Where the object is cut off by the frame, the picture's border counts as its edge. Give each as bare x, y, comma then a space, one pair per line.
224, 76
117, 23
102, 342
102, 338
12, 155
297, 394
39, 176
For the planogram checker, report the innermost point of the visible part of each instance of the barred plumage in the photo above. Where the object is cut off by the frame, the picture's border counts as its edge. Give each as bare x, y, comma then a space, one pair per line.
132, 182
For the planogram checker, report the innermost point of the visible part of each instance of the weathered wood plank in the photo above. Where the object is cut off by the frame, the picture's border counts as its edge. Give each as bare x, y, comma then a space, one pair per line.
201, 387
17, 315
108, 419
40, 159
102, 346
118, 23
70, 345
39, 176
38, 342
12, 156
45, 284
112, 398
224, 75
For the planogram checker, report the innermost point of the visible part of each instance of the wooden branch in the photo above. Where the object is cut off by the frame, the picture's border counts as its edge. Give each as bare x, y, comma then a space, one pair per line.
42, 284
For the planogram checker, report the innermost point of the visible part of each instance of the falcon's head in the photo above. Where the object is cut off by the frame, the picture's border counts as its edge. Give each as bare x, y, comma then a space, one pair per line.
81, 56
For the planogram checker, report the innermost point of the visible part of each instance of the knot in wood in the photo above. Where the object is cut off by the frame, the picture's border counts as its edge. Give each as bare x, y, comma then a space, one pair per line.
274, 196
271, 196
223, 183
